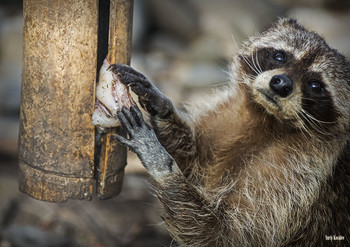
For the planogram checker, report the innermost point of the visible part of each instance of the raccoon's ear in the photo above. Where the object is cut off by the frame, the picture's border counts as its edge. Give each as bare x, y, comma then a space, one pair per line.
283, 21
289, 23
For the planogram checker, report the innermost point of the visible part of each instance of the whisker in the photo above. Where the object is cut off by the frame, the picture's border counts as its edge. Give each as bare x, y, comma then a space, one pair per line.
249, 64
317, 120
234, 41
227, 72
245, 75
303, 128
254, 65
316, 100
219, 84
309, 124
257, 61
244, 57
316, 124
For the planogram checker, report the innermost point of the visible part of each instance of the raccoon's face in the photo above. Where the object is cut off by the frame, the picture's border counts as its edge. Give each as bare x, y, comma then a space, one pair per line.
297, 77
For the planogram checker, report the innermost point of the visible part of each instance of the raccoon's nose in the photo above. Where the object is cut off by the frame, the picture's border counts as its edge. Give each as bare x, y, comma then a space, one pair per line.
282, 85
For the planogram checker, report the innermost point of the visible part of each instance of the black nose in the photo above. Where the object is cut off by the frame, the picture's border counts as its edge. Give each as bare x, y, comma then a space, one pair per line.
282, 85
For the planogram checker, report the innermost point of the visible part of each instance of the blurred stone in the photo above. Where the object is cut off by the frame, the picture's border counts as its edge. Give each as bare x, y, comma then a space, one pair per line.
290, 3
140, 23
201, 74
224, 19
332, 4
131, 219
8, 135
29, 236
168, 44
10, 62
208, 48
134, 164
173, 16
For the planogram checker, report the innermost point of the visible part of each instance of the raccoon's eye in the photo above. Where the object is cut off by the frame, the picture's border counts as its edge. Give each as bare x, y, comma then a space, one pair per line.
280, 56
317, 87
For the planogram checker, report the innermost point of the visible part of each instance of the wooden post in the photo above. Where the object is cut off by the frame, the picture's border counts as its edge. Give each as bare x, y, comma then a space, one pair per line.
56, 139
113, 155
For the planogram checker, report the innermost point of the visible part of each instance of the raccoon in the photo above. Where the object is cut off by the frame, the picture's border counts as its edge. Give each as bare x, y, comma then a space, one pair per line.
265, 161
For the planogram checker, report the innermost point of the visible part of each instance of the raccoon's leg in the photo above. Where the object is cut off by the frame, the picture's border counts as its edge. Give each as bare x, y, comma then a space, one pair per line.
172, 129
190, 217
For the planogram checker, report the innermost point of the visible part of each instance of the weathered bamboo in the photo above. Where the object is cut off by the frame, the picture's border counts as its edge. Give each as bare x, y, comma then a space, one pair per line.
113, 156
56, 139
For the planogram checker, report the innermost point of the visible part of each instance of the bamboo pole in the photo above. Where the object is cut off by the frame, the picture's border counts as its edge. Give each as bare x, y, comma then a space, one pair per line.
56, 139
113, 155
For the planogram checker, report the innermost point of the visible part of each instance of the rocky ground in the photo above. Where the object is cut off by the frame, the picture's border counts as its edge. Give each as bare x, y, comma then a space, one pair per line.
131, 219
182, 46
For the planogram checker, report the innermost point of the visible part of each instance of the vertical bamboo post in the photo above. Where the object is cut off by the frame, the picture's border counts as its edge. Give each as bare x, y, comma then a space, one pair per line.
113, 155
56, 139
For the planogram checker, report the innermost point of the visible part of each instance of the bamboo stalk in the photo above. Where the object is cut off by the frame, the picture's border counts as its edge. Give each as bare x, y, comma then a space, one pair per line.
113, 155
56, 139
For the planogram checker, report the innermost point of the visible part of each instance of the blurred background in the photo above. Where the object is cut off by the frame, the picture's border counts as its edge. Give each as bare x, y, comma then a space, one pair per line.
182, 46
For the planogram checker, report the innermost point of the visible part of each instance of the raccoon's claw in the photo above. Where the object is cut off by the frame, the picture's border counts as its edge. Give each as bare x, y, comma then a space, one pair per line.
150, 98
122, 69
143, 141
133, 122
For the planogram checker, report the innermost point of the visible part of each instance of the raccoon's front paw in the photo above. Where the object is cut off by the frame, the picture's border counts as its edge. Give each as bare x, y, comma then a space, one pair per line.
143, 141
150, 98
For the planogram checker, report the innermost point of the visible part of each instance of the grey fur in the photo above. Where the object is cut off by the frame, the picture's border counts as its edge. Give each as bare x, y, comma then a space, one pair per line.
252, 168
